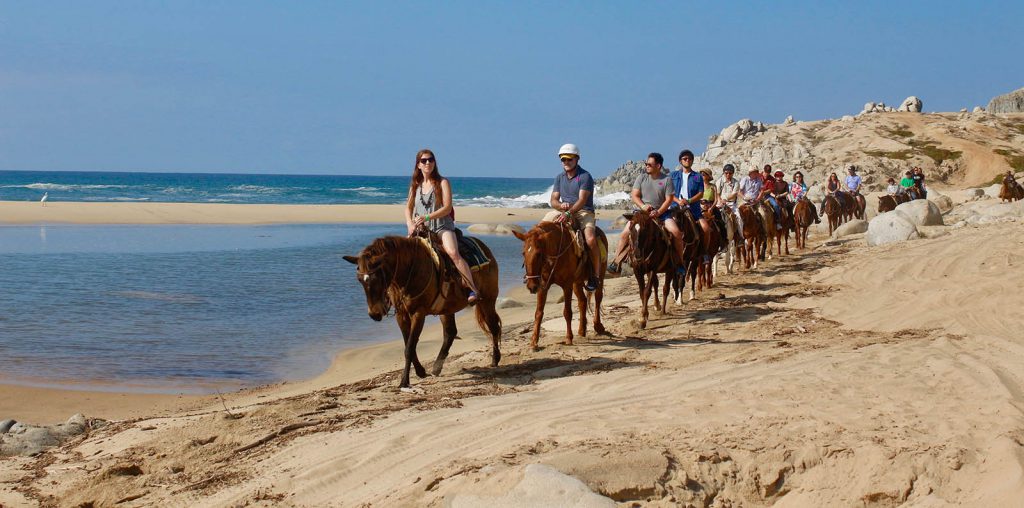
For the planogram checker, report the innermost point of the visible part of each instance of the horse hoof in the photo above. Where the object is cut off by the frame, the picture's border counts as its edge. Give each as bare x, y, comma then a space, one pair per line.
436, 370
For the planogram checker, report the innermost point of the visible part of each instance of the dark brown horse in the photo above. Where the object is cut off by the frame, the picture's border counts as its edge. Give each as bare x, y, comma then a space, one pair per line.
550, 256
889, 202
650, 253
754, 236
803, 217
834, 210
404, 273
857, 205
711, 244
1010, 191
690, 257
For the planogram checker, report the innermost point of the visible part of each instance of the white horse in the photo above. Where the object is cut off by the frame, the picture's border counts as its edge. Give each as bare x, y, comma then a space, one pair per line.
733, 240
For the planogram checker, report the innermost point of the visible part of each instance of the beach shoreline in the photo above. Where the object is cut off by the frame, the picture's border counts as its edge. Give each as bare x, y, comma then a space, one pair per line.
30, 213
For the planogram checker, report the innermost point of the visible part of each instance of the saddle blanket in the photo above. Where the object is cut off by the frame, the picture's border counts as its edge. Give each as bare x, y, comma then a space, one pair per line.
469, 248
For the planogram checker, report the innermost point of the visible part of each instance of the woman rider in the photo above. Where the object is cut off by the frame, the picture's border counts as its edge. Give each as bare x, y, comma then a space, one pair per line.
832, 189
430, 204
798, 189
710, 200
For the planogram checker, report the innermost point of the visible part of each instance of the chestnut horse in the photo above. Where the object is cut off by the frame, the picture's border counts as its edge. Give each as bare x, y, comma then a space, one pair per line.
772, 233
402, 273
1010, 191
650, 253
550, 256
802, 220
834, 212
753, 235
858, 205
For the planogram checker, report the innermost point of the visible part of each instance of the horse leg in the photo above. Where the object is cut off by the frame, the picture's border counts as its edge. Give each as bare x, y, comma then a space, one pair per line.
450, 331
567, 312
415, 324
581, 299
654, 291
598, 296
645, 294
487, 316
538, 316
692, 273
664, 294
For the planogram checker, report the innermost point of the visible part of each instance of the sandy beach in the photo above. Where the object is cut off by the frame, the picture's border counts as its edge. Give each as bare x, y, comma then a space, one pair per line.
841, 375
17, 212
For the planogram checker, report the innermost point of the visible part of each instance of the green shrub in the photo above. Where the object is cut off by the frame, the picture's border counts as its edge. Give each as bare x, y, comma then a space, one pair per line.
901, 155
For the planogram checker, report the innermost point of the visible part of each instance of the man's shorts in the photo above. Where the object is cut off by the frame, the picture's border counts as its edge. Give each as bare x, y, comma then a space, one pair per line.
584, 217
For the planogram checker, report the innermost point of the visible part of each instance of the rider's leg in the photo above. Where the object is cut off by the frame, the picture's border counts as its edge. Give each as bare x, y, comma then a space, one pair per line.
590, 235
451, 248
620, 252
677, 240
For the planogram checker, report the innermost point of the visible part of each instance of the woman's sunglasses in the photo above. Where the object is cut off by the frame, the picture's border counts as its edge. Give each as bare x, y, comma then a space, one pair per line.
425, 160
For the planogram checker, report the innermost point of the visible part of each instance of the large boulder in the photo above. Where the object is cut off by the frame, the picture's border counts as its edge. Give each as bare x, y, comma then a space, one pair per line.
1012, 102
495, 229
854, 227
921, 212
911, 104
891, 227
945, 203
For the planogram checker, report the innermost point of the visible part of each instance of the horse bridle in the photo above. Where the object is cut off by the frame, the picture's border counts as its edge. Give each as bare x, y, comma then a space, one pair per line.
387, 298
549, 260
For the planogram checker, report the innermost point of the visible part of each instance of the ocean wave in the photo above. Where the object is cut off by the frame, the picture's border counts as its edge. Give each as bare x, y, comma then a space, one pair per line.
537, 200
611, 199
255, 188
373, 194
62, 187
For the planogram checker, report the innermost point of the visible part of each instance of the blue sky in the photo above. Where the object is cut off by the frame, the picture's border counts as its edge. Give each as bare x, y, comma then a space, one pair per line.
494, 88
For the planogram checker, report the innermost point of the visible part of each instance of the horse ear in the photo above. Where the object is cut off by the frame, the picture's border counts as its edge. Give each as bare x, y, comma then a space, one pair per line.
520, 236
351, 259
628, 215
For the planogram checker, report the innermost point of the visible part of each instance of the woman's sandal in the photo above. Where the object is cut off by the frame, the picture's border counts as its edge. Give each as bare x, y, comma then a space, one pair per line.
472, 298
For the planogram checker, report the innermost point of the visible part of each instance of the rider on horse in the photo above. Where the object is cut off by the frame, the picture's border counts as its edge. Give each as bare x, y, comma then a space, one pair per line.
652, 194
832, 189
853, 181
710, 200
750, 190
572, 197
798, 190
781, 194
767, 194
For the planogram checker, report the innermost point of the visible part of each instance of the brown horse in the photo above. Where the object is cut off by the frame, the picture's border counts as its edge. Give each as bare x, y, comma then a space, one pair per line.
650, 253
711, 244
550, 256
733, 240
753, 235
857, 205
834, 210
889, 203
1010, 191
772, 233
803, 217
404, 273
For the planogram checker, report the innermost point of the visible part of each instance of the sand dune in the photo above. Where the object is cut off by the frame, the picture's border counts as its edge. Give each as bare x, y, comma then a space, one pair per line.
845, 375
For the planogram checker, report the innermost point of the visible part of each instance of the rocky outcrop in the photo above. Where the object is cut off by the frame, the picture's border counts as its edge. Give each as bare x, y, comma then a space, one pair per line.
891, 227
1012, 102
621, 180
855, 226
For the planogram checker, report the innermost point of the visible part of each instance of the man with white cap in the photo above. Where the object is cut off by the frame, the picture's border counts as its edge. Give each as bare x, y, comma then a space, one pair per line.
573, 195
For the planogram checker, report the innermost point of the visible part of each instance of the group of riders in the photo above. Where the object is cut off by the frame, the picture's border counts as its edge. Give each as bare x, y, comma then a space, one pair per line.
912, 185
661, 195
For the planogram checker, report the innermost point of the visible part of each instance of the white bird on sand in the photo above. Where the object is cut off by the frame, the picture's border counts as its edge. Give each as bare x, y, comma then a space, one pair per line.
43, 200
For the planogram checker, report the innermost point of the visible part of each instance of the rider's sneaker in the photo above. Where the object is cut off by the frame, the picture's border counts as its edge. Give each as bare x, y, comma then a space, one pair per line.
613, 267
472, 298
591, 284
681, 270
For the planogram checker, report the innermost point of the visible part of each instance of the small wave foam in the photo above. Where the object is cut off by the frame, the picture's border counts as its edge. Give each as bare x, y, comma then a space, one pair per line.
115, 198
356, 189
611, 199
62, 187
164, 297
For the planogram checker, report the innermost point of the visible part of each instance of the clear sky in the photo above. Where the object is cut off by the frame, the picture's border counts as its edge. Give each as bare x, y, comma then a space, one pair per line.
494, 88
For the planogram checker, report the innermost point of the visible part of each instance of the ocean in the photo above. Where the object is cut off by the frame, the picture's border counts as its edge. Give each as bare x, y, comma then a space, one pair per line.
198, 308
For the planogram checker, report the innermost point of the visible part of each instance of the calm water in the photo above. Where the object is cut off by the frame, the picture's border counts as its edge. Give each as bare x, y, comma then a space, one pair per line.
183, 308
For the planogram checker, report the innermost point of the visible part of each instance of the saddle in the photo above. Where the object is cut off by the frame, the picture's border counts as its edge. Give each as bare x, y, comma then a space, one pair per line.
470, 249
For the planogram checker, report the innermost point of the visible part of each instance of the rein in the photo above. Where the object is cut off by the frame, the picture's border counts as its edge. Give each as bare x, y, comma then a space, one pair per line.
547, 259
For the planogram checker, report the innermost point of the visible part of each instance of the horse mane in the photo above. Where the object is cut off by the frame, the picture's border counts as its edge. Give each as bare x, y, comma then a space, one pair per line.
401, 250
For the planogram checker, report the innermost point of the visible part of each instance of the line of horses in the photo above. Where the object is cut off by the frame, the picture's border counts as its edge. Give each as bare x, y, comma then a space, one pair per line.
408, 277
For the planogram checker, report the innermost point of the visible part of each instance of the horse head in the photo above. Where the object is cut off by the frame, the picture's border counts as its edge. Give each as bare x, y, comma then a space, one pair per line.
375, 271
537, 246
